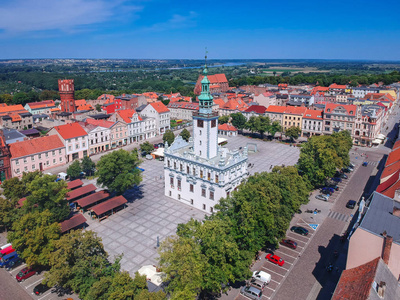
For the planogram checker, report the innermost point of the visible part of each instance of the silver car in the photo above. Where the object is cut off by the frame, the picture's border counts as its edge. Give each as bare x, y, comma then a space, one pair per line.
251, 292
322, 197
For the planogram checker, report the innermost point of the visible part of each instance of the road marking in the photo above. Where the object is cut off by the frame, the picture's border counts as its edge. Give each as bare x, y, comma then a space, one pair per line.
33, 283
270, 288
45, 295
275, 281
266, 296
17, 268
294, 250
289, 256
295, 238
273, 271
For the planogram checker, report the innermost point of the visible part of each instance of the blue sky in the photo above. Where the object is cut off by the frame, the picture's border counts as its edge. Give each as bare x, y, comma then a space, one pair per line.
352, 29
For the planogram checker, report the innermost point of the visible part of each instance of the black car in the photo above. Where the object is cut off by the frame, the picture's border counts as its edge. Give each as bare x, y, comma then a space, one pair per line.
346, 170
40, 289
299, 230
351, 204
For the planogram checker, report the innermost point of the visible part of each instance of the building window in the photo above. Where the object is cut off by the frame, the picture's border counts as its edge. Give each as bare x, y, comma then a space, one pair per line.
59, 151
211, 209
201, 173
169, 163
33, 167
216, 178
191, 188
60, 159
54, 161
70, 148
171, 181
25, 161
204, 206
25, 169
208, 176
181, 167
187, 169
213, 123
83, 144
54, 153
17, 162
179, 184
174, 165
170, 193
211, 195
17, 171
191, 201
33, 158
200, 123
203, 192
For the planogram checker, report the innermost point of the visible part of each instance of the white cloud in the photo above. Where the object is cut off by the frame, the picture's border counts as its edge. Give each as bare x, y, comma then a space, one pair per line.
175, 22
19, 16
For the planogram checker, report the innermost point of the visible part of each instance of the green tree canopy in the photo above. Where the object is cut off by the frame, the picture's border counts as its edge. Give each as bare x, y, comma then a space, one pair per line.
75, 169
238, 120
33, 236
118, 171
185, 134
293, 132
169, 137
88, 166
259, 124
147, 147
223, 119
275, 127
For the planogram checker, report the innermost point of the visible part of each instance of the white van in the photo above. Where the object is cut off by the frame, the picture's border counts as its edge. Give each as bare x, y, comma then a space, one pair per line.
62, 176
262, 276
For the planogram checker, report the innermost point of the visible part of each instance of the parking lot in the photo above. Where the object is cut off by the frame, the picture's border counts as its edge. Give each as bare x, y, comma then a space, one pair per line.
29, 284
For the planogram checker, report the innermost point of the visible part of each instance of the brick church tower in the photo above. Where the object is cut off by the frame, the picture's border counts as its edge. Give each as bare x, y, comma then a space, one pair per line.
67, 94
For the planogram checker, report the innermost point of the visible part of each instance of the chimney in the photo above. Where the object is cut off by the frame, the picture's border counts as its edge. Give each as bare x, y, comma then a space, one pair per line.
396, 210
381, 289
387, 245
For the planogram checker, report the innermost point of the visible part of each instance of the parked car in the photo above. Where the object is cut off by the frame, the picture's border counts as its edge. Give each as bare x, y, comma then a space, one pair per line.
40, 289
345, 170
299, 230
351, 165
337, 179
6, 258
6, 251
289, 243
251, 292
275, 259
344, 176
263, 276
365, 164
322, 197
25, 273
327, 190
257, 284
334, 186
5, 246
351, 204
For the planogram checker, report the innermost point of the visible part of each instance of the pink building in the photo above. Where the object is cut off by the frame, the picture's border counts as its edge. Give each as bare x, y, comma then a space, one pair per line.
36, 154
119, 134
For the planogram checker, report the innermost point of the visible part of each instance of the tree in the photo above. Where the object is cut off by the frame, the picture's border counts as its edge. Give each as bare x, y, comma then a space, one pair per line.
46, 194
118, 171
33, 236
259, 123
20, 98
169, 137
77, 261
185, 134
98, 107
74, 170
88, 166
293, 132
147, 147
274, 128
14, 188
48, 95
238, 120
8, 212
223, 119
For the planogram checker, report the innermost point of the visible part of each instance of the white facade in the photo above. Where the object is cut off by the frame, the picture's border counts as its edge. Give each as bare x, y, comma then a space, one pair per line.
162, 118
99, 139
149, 128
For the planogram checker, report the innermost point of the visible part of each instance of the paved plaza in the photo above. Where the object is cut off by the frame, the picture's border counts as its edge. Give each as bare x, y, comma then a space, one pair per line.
149, 214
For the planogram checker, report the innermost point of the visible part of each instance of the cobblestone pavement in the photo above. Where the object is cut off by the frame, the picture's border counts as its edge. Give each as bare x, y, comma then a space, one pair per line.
149, 214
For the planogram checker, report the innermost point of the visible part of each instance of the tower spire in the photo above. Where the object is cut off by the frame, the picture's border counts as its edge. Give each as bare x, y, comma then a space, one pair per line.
205, 63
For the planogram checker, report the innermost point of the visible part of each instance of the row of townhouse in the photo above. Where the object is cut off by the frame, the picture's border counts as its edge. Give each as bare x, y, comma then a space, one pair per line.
364, 123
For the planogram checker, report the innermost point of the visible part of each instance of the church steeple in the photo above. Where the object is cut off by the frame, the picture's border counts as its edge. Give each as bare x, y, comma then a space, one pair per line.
205, 98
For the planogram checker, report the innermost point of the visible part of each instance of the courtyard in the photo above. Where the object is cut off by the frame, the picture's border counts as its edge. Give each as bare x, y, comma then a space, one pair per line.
151, 217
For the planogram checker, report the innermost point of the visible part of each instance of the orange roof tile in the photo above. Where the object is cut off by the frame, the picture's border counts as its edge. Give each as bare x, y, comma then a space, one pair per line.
389, 170
235, 103
220, 102
11, 108
351, 109
393, 157
54, 109
71, 130
159, 107
337, 86
294, 110
37, 105
102, 123
276, 109
396, 145
15, 117
356, 283
85, 107
126, 114
80, 102
227, 127
313, 114
107, 97
37, 145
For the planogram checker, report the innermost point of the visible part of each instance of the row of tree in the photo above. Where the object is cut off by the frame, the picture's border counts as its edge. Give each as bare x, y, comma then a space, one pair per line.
322, 155
205, 257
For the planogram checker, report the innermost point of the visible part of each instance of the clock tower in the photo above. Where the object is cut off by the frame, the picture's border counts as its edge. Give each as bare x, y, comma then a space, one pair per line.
205, 123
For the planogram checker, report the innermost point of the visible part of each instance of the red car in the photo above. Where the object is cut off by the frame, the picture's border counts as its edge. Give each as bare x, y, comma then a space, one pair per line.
275, 259
289, 243
25, 273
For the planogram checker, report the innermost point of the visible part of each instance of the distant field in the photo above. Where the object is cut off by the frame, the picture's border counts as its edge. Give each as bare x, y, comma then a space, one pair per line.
293, 70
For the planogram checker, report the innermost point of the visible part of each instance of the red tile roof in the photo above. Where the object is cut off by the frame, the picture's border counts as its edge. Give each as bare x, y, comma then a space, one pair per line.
37, 145
109, 98
80, 102
93, 198
351, 109
85, 107
217, 78
235, 103
337, 86
313, 114
37, 105
74, 184
220, 102
227, 127
258, 109
389, 170
294, 110
71, 130
126, 114
184, 105
267, 94
276, 109
72, 195
396, 145
11, 108
388, 183
393, 157
72, 223
102, 123
159, 107
319, 89
108, 205
356, 283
